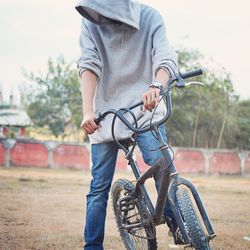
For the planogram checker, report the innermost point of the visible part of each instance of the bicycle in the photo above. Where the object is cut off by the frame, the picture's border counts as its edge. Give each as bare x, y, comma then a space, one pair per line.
135, 214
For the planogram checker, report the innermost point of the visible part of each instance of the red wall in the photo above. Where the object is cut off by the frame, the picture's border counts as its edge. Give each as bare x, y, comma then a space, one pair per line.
142, 165
225, 163
29, 154
2, 154
122, 162
36, 154
189, 161
71, 156
186, 161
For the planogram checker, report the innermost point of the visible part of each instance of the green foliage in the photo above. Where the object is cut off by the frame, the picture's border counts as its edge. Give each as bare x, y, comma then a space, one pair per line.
211, 116
243, 123
54, 100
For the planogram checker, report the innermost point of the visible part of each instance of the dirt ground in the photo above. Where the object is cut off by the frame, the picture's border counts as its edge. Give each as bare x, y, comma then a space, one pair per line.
44, 209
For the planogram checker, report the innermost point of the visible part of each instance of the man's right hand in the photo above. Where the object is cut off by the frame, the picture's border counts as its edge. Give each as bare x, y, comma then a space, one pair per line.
88, 123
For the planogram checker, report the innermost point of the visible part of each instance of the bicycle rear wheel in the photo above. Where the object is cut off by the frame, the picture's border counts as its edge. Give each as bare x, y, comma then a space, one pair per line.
132, 218
191, 221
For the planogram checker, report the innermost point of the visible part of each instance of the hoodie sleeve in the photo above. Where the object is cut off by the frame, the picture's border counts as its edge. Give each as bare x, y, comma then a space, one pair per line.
163, 56
90, 58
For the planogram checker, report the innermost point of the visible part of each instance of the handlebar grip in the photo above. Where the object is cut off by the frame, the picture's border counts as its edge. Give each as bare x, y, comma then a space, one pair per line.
192, 73
98, 119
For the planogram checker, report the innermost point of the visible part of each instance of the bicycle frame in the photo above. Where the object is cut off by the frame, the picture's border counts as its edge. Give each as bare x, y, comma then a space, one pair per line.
169, 184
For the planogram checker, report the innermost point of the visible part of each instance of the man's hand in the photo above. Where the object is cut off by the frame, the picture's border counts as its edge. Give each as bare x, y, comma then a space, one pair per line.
151, 98
88, 123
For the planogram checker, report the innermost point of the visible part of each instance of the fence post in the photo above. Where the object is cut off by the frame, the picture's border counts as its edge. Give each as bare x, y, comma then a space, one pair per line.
207, 155
50, 145
8, 144
243, 156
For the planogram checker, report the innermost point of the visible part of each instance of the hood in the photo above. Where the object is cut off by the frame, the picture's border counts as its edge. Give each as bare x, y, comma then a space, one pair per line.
106, 11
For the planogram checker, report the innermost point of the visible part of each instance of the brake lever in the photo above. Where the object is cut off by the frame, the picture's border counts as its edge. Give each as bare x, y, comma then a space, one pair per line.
194, 83
180, 83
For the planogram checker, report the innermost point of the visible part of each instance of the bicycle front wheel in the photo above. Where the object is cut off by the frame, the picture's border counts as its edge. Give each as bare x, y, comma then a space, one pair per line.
191, 221
132, 217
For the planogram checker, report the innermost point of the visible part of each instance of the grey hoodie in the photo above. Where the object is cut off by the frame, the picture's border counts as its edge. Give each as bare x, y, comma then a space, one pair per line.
124, 43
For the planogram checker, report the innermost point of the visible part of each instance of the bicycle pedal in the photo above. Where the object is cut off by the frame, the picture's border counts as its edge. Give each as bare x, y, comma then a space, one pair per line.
187, 246
179, 246
173, 246
126, 204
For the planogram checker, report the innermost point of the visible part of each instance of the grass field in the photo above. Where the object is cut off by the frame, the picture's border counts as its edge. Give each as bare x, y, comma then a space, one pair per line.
44, 209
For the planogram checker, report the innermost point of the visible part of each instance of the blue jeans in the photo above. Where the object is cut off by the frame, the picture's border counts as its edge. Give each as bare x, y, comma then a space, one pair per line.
104, 158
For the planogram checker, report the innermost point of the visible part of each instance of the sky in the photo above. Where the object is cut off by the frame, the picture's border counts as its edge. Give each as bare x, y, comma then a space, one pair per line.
32, 31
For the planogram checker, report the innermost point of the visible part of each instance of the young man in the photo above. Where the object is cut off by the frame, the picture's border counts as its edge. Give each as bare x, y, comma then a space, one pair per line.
125, 57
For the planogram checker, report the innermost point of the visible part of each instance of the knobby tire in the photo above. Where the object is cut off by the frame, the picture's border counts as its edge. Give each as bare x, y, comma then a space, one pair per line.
131, 242
192, 224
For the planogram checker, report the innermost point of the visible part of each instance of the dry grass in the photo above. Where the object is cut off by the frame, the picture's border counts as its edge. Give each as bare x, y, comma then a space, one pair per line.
44, 209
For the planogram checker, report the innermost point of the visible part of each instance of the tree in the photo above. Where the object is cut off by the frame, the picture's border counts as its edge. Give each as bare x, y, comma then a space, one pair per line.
54, 100
208, 117
203, 117
243, 122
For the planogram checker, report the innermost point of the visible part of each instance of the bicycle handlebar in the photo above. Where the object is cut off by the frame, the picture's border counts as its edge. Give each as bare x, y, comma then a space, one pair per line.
192, 73
165, 92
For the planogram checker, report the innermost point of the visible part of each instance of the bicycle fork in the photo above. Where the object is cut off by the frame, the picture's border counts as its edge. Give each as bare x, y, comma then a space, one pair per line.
171, 186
